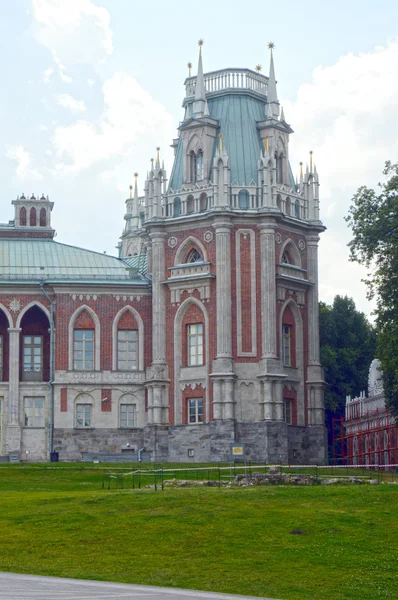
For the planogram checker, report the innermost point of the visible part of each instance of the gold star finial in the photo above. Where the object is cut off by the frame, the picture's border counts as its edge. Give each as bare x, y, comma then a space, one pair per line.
131, 191
136, 175
271, 45
189, 69
258, 68
200, 44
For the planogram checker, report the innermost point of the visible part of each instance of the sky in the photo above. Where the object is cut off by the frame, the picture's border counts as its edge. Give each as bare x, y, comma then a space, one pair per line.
92, 87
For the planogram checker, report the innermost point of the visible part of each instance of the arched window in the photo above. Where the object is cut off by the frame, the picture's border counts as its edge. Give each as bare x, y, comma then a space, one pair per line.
126, 340
177, 207
190, 205
243, 199
32, 217
192, 166
22, 217
43, 217
297, 209
288, 206
194, 256
203, 202
279, 167
199, 166
279, 202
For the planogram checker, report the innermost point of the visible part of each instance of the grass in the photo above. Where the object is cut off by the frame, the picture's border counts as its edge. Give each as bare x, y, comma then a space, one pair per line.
283, 542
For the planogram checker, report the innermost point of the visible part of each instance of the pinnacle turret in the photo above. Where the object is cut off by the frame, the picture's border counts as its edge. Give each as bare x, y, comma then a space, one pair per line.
272, 95
200, 107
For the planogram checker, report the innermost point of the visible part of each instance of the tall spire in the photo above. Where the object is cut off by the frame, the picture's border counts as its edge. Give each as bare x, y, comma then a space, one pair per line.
200, 105
136, 208
272, 93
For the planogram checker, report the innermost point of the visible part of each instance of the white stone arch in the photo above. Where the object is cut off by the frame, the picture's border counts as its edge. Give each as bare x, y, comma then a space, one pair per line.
291, 247
181, 249
182, 309
194, 144
140, 324
83, 398
298, 320
97, 337
8, 316
30, 305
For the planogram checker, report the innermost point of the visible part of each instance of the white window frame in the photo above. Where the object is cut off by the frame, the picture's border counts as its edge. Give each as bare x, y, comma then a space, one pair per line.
124, 349
36, 418
195, 344
286, 345
130, 415
195, 412
288, 411
33, 366
84, 350
81, 411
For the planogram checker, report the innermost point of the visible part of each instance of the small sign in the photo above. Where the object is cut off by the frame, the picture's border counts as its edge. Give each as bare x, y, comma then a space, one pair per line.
237, 452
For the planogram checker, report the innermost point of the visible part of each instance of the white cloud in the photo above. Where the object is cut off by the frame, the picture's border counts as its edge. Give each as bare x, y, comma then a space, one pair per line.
67, 101
47, 73
23, 161
347, 116
130, 112
76, 31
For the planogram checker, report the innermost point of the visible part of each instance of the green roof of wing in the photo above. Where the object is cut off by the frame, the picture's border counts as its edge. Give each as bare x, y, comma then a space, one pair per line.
137, 262
38, 259
238, 115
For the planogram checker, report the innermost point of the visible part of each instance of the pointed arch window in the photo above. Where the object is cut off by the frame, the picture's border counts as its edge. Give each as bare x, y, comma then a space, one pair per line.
22, 217
279, 167
192, 166
43, 217
199, 166
32, 217
194, 256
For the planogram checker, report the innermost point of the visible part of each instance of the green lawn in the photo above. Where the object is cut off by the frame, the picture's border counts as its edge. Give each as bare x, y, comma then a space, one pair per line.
58, 521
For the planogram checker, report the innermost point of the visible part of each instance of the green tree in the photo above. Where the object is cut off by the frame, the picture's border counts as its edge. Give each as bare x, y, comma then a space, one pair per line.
348, 345
373, 218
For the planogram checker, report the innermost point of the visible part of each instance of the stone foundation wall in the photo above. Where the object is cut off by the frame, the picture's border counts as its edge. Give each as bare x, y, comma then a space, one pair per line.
307, 445
71, 443
265, 441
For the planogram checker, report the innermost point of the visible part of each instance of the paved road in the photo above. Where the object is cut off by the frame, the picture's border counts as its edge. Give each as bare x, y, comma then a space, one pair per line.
30, 587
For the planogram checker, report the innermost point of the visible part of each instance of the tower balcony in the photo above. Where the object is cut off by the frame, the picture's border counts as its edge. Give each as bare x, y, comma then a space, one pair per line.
232, 80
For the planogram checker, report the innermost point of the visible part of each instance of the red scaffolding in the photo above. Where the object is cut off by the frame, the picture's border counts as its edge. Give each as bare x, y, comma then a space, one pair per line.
369, 439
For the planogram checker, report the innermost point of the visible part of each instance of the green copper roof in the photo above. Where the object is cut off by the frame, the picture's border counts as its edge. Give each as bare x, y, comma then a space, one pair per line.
238, 116
137, 262
43, 259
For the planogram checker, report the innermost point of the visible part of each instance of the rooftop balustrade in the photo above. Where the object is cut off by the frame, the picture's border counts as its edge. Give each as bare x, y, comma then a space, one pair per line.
226, 79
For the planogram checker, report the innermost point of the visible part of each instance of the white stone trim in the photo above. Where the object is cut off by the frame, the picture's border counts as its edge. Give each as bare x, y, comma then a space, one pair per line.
27, 307
196, 242
140, 324
295, 252
178, 356
7, 314
97, 337
299, 355
239, 324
